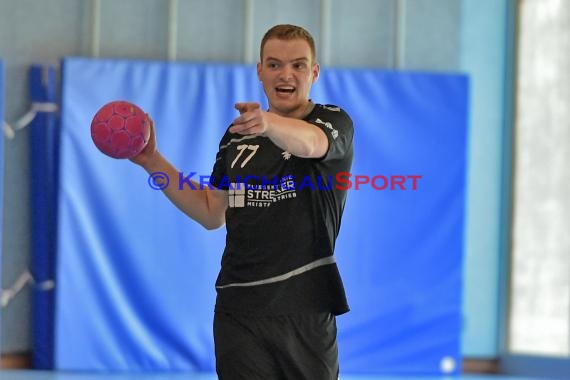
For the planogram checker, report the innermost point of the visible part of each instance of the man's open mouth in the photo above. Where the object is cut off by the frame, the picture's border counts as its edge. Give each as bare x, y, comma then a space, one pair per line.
285, 89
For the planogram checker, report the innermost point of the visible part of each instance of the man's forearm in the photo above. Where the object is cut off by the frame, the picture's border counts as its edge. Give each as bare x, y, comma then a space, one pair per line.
203, 205
298, 137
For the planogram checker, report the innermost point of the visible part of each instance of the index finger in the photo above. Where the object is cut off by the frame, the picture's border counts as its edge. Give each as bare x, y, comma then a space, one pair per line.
246, 106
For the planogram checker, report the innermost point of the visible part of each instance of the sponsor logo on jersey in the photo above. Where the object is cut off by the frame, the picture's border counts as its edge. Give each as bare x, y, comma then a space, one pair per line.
264, 195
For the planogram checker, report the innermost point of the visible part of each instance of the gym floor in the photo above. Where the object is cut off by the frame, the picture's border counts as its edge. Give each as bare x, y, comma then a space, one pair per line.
45, 375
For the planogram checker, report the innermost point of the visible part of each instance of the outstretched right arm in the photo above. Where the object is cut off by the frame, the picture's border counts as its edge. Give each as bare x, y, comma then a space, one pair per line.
205, 206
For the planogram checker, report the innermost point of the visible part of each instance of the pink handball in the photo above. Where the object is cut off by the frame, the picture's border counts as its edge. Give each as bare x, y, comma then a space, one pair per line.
120, 129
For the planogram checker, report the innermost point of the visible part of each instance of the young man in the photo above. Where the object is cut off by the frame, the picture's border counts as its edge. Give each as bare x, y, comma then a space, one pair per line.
279, 288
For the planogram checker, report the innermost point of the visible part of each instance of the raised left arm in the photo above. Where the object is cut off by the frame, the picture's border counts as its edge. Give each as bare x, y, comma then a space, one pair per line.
296, 136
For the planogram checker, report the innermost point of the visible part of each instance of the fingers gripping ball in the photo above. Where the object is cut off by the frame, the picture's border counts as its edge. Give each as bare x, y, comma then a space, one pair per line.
120, 129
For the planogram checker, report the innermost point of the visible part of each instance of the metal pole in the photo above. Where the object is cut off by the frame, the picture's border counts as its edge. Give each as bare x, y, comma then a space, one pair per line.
325, 31
172, 29
248, 55
95, 27
400, 35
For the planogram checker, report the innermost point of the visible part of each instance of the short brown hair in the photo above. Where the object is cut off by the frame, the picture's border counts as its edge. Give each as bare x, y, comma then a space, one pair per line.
289, 32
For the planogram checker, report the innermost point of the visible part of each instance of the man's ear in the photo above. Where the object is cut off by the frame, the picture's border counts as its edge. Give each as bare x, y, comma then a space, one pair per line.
259, 68
316, 71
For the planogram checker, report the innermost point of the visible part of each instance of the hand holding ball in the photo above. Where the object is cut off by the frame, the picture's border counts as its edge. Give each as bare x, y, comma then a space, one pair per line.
120, 129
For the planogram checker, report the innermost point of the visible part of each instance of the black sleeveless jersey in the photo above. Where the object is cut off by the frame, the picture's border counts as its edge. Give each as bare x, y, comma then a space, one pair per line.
283, 218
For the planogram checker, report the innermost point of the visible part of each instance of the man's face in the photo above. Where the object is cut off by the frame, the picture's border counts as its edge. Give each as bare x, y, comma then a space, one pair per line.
287, 73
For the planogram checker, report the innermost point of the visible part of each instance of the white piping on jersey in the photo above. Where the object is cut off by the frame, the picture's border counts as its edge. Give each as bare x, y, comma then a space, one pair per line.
282, 277
247, 137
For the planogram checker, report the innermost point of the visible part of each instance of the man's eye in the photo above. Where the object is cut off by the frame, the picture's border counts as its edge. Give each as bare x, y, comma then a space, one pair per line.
273, 65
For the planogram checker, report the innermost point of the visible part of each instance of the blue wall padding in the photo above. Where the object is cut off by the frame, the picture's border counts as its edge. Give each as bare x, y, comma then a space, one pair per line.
136, 277
44, 159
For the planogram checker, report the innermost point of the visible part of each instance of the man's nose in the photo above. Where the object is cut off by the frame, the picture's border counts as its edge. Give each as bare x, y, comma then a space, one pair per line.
286, 73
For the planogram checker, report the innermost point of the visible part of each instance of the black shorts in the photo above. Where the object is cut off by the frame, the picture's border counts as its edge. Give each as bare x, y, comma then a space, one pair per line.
284, 347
